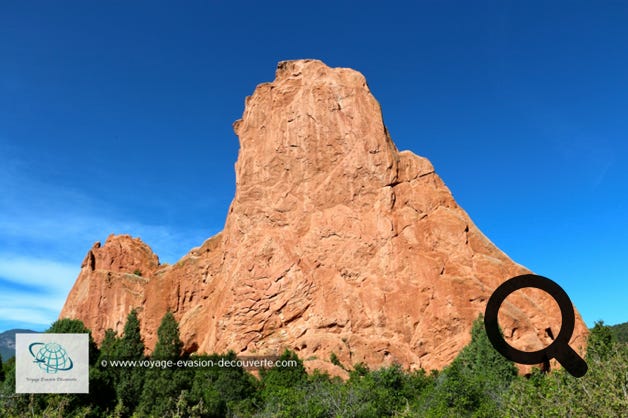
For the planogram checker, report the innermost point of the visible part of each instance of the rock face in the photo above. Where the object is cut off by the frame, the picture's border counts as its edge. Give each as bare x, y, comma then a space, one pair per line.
335, 243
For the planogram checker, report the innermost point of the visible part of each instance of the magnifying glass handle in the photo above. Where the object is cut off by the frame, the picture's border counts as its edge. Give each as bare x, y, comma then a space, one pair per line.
571, 361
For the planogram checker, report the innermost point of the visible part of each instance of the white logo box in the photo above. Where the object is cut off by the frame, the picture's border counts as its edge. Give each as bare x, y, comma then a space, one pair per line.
51, 363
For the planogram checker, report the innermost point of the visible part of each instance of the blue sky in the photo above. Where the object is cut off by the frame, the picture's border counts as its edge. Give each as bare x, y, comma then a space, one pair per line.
115, 117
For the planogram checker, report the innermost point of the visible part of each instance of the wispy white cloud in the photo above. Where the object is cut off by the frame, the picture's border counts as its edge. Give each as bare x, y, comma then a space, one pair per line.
48, 274
40, 217
45, 232
33, 290
73, 234
35, 316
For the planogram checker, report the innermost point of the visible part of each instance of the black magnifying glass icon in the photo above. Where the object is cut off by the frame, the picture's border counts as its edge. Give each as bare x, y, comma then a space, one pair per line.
559, 348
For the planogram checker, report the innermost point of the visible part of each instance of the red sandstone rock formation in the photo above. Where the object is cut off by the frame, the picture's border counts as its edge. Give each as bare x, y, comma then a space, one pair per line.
335, 243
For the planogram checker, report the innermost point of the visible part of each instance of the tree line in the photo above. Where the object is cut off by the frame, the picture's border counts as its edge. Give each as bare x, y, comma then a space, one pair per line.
478, 383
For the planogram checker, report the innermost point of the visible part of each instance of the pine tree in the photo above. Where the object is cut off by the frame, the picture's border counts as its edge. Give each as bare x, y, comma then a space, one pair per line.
109, 345
102, 381
163, 387
168, 345
131, 346
130, 381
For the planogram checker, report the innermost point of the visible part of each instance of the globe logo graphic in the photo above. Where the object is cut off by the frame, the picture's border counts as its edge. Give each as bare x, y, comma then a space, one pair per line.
51, 357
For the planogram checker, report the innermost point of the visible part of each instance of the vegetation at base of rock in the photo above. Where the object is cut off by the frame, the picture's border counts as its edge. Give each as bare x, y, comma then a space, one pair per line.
478, 383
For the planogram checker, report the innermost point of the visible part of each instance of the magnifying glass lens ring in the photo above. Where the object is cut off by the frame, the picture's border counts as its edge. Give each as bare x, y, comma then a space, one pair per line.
521, 282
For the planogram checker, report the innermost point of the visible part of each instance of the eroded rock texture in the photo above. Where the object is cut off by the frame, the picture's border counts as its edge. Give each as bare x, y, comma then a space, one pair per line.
335, 242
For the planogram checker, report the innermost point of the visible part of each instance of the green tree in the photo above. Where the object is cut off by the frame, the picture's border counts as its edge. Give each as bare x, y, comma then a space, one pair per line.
131, 345
389, 391
102, 381
601, 341
109, 345
480, 359
70, 404
281, 387
474, 384
11, 404
129, 382
163, 386
221, 391
383, 392
75, 326
169, 344
601, 392
277, 378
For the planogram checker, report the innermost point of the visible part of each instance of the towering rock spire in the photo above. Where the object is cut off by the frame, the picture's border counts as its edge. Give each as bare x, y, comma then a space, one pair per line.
335, 242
